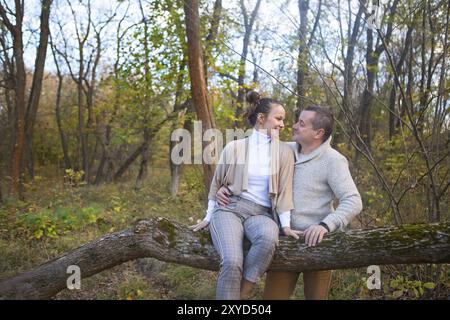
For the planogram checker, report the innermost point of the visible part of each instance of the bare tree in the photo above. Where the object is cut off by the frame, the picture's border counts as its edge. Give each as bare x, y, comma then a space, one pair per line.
374, 49
305, 41
107, 166
63, 137
394, 121
33, 101
213, 33
88, 50
25, 109
249, 21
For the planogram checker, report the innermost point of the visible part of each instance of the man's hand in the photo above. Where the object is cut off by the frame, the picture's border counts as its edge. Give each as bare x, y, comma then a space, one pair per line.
223, 196
291, 233
314, 234
199, 226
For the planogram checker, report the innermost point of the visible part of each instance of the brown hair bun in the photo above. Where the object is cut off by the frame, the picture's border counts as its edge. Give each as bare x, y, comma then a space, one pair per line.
253, 97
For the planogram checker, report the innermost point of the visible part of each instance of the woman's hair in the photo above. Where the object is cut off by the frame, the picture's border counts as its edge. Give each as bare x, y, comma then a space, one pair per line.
258, 105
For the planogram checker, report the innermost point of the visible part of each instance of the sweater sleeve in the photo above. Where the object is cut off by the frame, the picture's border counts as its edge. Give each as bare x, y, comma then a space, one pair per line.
285, 201
344, 188
209, 211
220, 172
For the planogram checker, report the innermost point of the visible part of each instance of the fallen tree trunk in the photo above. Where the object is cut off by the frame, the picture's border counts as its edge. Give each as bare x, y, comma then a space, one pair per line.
169, 241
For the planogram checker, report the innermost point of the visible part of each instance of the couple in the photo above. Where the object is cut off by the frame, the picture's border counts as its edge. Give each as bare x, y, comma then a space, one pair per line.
258, 181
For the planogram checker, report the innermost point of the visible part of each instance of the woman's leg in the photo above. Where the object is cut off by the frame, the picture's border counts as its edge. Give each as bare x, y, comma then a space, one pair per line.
280, 285
317, 284
262, 232
227, 233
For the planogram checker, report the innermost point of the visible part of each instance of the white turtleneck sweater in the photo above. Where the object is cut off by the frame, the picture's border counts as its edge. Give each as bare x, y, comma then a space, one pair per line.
258, 176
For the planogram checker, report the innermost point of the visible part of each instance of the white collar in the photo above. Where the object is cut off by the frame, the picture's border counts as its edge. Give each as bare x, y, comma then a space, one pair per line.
260, 138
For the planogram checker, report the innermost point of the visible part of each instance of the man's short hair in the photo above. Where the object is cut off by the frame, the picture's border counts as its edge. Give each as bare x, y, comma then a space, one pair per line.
322, 120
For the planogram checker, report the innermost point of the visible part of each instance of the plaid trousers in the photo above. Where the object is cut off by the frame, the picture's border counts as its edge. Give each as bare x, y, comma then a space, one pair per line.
229, 224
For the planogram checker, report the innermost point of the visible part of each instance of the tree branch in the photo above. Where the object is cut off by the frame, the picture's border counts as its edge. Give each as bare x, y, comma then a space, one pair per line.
170, 241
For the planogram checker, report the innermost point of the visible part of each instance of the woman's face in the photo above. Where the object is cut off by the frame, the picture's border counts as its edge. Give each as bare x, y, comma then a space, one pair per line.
273, 122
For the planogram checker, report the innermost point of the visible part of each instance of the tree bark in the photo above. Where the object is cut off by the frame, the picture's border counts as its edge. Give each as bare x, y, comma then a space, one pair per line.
38, 75
393, 114
1, 195
302, 61
372, 59
212, 35
62, 135
19, 77
197, 76
175, 169
169, 241
145, 157
82, 38
349, 73
305, 42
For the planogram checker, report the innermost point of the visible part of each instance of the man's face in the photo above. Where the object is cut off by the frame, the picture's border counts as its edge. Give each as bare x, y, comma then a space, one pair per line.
304, 132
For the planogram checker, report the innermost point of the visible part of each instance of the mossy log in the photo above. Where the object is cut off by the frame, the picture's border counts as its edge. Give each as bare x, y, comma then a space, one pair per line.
169, 241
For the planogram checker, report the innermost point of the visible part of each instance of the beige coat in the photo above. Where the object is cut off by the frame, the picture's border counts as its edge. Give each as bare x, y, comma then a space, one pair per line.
232, 171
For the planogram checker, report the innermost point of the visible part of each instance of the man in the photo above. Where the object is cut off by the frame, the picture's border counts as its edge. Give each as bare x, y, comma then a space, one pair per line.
321, 175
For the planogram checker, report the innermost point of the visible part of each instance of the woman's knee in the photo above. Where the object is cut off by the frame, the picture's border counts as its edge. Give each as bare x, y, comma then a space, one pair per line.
269, 239
232, 263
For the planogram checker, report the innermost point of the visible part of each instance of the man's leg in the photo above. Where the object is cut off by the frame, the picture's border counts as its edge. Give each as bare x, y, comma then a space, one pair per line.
227, 233
317, 284
262, 232
280, 285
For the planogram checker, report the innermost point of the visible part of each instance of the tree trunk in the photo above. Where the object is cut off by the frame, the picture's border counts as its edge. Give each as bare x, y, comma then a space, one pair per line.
372, 59
302, 61
248, 25
197, 76
82, 136
1, 195
128, 162
169, 241
36, 87
82, 37
144, 160
349, 70
19, 103
365, 109
393, 114
175, 169
212, 35
64, 144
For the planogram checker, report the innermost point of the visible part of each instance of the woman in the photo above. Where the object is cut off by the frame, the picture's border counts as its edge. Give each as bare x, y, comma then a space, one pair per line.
258, 173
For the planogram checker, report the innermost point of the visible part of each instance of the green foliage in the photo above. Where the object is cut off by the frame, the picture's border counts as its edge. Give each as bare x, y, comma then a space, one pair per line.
401, 288
190, 283
74, 178
134, 288
47, 223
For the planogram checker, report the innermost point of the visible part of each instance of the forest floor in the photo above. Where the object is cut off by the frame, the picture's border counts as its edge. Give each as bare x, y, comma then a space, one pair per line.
59, 215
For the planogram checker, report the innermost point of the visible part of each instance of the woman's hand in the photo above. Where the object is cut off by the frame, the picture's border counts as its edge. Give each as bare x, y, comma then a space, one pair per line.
199, 226
223, 196
292, 233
